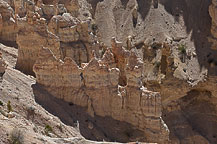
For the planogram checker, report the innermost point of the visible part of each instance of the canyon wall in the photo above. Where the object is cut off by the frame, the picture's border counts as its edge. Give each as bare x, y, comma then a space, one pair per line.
165, 63
96, 87
65, 55
8, 29
213, 14
65, 35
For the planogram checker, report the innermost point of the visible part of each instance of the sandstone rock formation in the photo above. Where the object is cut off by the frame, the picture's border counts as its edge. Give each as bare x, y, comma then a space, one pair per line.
32, 36
213, 14
75, 36
67, 36
159, 72
96, 87
8, 28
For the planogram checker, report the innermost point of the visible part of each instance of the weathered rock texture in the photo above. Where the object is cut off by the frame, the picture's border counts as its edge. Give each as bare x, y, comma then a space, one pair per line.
8, 28
96, 87
2, 65
213, 14
75, 37
32, 36
170, 48
65, 35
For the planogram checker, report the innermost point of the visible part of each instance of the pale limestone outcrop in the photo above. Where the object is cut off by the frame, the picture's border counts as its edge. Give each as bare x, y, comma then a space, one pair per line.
75, 36
64, 27
65, 77
119, 75
31, 37
65, 35
3, 65
96, 86
8, 29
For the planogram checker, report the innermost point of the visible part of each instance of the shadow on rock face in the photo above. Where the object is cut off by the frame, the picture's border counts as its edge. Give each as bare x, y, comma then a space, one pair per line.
198, 21
93, 4
195, 121
200, 112
144, 7
124, 3
97, 128
9, 43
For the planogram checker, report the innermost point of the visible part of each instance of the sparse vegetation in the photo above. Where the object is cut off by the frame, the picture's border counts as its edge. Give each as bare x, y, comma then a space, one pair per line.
16, 137
1, 103
9, 106
48, 129
182, 48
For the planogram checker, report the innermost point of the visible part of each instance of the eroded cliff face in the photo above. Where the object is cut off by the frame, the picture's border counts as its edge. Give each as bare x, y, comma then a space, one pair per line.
96, 87
65, 35
32, 36
159, 72
212, 12
8, 29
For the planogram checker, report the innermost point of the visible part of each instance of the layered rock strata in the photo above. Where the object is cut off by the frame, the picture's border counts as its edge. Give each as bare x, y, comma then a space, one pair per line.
8, 29
113, 85
32, 36
213, 14
76, 38
96, 86
65, 35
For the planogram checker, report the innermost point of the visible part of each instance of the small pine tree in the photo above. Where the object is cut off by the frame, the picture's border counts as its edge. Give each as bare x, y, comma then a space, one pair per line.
9, 106
182, 48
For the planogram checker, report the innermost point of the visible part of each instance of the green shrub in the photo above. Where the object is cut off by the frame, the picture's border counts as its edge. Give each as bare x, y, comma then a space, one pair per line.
1, 103
9, 106
48, 129
182, 48
16, 137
